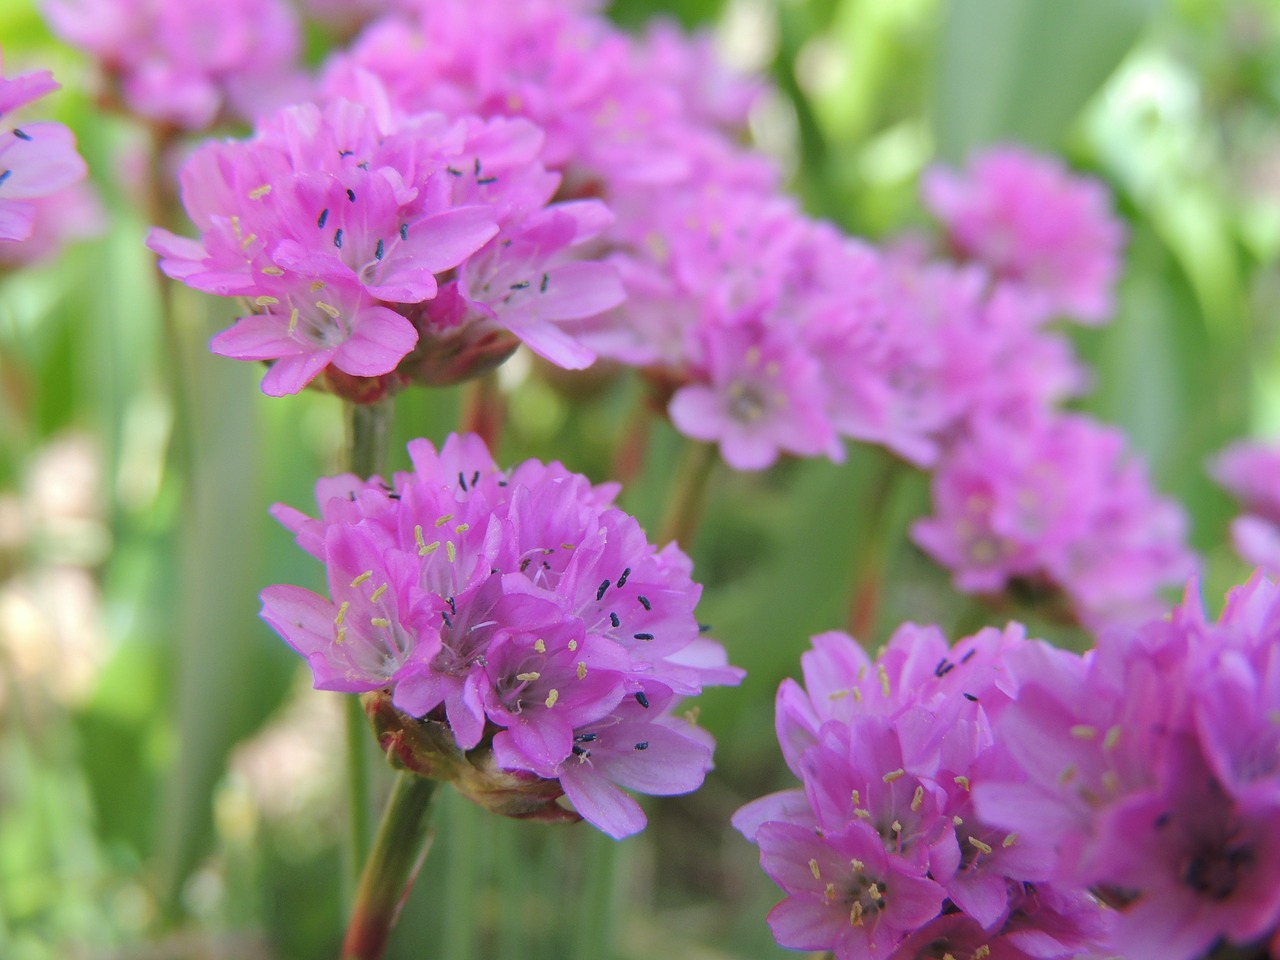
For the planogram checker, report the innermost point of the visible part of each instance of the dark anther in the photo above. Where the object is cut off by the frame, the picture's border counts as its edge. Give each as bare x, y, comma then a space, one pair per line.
393, 496
579, 752
351, 195
379, 250
462, 481
320, 220
522, 285
21, 134
363, 164
542, 287
642, 745
937, 671
477, 166
704, 627
485, 181
968, 656
452, 606
622, 580
475, 478
452, 172
585, 738
643, 636
642, 700
613, 618
345, 153
947, 669
644, 602
603, 587
970, 696
445, 617
404, 231
337, 239
5, 176
524, 564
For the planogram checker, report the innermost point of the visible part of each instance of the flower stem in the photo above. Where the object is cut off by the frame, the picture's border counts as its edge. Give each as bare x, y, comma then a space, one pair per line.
688, 495
398, 851
367, 427
868, 585
484, 410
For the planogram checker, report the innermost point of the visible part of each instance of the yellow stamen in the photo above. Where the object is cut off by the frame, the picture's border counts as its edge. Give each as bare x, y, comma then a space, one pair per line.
316, 285
964, 783
367, 575
573, 645
857, 866
582, 670
377, 594
552, 697
342, 612
855, 913
528, 677
273, 271
830, 893
257, 193
1111, 739
838, 695
342, 635
566, 546
441, 521
982, 952
979, 845
329, 308
450, 549
293, 320
1009, 841
813, 868
266, 301
893, 775
540, 645
917, 800
380, 621
884, 679
1082, 731
462, 528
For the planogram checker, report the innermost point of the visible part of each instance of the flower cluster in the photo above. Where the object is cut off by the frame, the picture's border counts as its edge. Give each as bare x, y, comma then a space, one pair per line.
38, 160
1152, 769
1055, 503
519, 607
178, 66
361, 232
883, 853
1029, 500
1047, 234
1249, 471
1004, 798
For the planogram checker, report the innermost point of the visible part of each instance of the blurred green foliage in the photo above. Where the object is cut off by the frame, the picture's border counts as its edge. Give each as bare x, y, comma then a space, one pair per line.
124, 820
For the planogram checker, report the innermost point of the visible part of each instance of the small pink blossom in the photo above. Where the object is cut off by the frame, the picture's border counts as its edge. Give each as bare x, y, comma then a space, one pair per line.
1033, 225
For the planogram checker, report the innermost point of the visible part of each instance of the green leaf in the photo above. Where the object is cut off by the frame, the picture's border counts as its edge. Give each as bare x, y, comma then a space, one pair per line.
1023, 69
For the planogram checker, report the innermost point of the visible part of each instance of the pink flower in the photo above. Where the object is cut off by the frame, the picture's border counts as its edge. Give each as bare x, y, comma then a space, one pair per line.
1249, 470
341, 222
176, 65
1035, 226
37, 159
518, 607
1054, 501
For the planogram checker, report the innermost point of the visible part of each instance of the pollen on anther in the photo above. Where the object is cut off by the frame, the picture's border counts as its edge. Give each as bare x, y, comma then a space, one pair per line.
917, 800
1111, 739
893, 775
1009, 841
377, 594
552, 697
380, 621
813, 868
441, 521
367, 575
529, 677
462, 528
582, 670
342, 612
884, 679
273, 271
257, 193
573, 645
963, 782
540, 645
451, 550
329, 308
979, 845
1083, 731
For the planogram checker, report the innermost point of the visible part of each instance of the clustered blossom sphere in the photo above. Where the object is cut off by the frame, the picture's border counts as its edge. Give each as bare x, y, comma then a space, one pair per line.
38, 160
1006, 799
360, 232
521, 608
1152, 769
1056, 503
1046, 233
175, 64
882, 853
1249, 470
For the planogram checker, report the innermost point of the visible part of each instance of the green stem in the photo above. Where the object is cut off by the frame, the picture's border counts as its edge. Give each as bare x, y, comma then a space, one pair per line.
868, 586
688, 495
398, 851
367, 427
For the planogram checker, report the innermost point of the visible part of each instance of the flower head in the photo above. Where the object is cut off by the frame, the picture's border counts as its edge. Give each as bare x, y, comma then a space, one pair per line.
518, 608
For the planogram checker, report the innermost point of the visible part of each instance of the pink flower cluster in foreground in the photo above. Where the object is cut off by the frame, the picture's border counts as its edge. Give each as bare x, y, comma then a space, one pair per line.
519, 606
1006, 799
1251, 472
38, 160
182, 64
358, 230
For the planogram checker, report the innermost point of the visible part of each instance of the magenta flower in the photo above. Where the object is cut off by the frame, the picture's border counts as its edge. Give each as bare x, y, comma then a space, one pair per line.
341, 223
1248, 470
521, 609
1153, 770
889, 752
1054, 501
37, 160
178, 66
1034, 226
